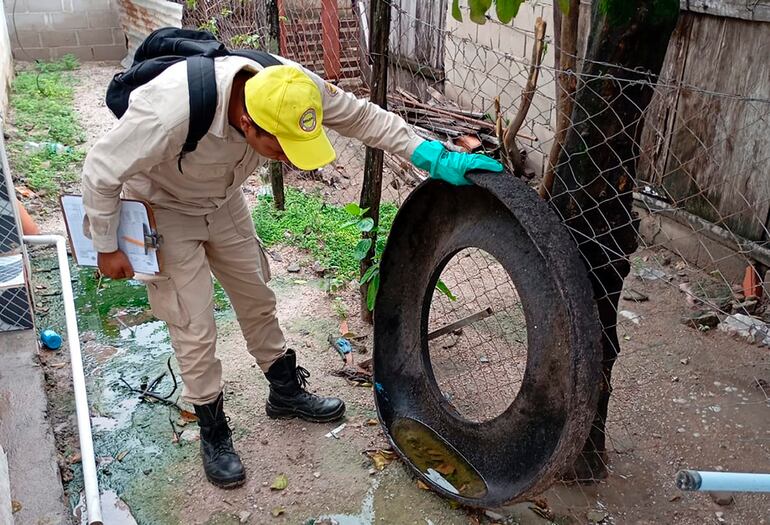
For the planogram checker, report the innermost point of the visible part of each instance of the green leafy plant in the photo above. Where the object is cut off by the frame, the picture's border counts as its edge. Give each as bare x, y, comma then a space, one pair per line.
211, 25
365, 224
506, 10
372, 275
245, 40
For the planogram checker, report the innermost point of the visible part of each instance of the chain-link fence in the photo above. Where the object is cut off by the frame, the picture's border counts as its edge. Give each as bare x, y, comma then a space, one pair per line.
690, 387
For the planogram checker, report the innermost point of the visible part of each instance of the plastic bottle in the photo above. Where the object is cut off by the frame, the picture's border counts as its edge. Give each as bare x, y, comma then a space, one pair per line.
50, 147
50, 339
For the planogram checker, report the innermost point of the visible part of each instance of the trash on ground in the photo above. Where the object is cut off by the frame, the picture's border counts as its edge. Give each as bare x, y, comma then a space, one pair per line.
343, 347
336, 432
596, 516
50, 339
747, 327
631, 316
700, 319
651, 274
630, 294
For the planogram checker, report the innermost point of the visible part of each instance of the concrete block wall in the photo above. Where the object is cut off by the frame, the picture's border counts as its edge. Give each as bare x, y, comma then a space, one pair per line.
50, 29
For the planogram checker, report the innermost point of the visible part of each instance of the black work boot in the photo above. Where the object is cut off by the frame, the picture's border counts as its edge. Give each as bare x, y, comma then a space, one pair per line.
221, 463
288, 397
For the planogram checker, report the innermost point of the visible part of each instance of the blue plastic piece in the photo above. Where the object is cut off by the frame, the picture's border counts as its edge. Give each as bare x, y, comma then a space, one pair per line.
50, 339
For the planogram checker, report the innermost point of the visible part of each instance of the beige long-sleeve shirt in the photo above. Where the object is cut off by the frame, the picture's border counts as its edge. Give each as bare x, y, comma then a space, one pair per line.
138, 157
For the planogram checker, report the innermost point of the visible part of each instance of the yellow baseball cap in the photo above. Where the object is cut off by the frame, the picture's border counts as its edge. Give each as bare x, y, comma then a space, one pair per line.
285, 102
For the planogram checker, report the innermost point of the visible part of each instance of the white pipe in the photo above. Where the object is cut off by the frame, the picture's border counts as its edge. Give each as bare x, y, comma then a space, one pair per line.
88, 461
707, 481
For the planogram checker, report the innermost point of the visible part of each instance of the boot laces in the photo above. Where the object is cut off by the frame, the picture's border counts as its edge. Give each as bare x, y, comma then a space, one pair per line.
223, 444
302, 376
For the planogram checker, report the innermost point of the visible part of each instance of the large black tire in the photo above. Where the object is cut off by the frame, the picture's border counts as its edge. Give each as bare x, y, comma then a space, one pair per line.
520, 452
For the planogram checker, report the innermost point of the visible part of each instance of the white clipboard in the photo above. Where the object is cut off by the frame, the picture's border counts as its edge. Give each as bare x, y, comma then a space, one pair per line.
137, 234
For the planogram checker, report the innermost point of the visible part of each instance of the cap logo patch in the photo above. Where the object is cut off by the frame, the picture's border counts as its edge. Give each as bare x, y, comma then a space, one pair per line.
308, 120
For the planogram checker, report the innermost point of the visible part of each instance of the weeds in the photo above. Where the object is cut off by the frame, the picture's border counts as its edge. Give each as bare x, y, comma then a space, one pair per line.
320, 228
332, 235
43, 113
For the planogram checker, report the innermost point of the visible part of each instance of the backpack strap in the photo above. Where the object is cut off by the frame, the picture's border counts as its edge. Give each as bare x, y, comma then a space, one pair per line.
263, 58
202, 88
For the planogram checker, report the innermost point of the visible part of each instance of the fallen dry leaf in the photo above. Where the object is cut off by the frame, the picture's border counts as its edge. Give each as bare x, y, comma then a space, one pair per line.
25, 192
422, 485
381, 458
15, 506
371, 422
187, 416
122, 454
277, 511
280, 483
446, 469
74, 458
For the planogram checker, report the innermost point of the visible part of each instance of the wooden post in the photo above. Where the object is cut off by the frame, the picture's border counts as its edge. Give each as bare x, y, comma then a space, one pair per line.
566, 81
330, 26
594, 179
282, 34
276, 43
371, 191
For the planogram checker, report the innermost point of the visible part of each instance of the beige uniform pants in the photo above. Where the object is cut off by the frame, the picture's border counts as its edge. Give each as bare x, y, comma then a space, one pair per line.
223, 243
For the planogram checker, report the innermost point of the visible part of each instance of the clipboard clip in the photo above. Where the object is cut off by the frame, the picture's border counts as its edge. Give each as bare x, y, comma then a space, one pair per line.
152, 239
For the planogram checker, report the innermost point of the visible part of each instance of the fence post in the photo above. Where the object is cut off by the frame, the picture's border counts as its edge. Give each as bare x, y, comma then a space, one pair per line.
283, 45
592, 191
274, 8
371, 191
330, 26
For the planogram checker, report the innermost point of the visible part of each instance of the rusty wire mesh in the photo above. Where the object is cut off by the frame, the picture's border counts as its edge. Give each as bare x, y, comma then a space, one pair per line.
690, 386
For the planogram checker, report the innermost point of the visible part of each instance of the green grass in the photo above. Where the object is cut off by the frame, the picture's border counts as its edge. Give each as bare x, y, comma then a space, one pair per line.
43, 112
317, 227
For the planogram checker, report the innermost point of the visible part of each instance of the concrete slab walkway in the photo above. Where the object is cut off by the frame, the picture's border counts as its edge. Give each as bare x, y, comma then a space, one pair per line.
26, 435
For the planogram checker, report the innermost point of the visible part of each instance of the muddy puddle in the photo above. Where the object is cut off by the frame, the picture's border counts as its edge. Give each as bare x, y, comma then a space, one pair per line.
137, 442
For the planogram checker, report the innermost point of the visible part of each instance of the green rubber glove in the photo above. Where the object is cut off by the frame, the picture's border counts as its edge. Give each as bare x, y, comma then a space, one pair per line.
451, 166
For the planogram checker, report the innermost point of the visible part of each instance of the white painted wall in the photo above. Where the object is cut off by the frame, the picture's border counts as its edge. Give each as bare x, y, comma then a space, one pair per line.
6, 63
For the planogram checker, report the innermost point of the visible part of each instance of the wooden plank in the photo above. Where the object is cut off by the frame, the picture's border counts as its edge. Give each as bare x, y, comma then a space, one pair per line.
330, 20
756, 10
659, 118
717, 161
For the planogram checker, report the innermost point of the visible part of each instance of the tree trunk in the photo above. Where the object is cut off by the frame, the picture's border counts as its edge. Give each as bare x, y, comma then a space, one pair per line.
594, 178
371, 190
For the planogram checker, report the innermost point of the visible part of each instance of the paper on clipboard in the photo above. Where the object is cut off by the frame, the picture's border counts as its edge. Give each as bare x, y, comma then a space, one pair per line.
133, 221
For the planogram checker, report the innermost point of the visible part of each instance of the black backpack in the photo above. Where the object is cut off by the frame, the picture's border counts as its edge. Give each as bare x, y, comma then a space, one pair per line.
167, 46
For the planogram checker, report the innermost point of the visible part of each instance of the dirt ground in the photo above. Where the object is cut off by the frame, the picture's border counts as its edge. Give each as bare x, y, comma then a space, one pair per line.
682, 399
